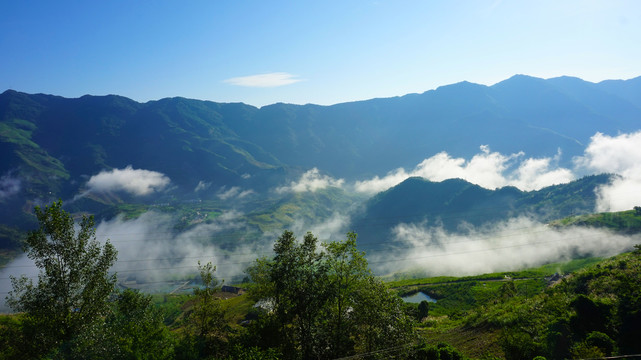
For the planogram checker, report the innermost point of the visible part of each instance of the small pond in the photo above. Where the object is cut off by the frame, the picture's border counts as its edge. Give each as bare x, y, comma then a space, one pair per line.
418, 297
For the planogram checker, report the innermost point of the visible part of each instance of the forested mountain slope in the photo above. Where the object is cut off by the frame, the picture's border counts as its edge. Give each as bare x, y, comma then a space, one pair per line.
52, 146
455, 202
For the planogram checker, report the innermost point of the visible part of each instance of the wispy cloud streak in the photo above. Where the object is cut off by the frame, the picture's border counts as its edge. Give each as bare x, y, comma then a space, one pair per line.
265, 80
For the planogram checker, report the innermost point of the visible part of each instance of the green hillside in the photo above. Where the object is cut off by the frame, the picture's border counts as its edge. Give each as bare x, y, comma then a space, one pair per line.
590, 313
625, 222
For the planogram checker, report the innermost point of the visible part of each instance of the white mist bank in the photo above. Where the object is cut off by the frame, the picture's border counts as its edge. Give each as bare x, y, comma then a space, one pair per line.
150, 250
514, 244
22, 265
151, 253
605, 154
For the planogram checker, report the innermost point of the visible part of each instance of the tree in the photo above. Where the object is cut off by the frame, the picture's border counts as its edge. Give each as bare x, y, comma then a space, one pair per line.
133, 329
508, 290
379, 318
294, 284
348, 272
139, 328
423, 309
324, 304
74, 281
208, 316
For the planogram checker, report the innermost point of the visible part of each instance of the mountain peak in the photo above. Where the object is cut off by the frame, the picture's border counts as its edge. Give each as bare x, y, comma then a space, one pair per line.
518, 80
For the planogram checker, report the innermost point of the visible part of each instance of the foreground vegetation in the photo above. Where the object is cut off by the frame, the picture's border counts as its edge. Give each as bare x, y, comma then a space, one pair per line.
316, 301
307, 302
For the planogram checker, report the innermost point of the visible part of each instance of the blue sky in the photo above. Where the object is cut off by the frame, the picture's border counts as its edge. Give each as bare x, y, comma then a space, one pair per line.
321, 52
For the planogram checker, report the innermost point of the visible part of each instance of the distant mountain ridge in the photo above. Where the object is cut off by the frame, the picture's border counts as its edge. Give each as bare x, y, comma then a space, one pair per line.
519, 114
346, 140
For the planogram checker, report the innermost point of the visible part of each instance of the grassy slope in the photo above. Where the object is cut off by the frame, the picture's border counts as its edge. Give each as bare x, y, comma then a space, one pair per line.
474, 313
478, 318
626, 222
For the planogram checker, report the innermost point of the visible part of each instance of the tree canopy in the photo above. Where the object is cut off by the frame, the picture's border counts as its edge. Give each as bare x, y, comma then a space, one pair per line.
73, 284
323, 302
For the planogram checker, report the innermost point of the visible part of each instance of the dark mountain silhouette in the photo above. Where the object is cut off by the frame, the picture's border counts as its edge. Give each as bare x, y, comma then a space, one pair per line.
455, 203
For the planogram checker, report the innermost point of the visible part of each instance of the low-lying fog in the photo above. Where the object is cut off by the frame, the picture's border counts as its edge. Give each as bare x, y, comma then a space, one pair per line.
149, 250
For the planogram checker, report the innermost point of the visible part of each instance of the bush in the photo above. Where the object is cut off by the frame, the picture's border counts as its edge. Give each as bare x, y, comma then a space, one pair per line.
601, 341
441, 351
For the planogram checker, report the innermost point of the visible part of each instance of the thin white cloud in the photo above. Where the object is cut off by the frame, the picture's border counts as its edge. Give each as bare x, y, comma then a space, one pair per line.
234, 192
264, 80
487, 169
311, 180
134, 181
9, 185
621, 194
202, 186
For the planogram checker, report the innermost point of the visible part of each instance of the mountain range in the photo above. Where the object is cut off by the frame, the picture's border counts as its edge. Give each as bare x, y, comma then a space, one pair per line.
52, 147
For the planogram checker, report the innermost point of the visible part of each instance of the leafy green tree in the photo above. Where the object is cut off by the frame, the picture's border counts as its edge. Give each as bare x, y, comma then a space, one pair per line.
296, 277
591, 315
139, 324
73, 285
347, 272
13, 342
508, 290
208, 316
207, 309
134, 329
379, 318
252, 353
324, 304
440, 351
518, 344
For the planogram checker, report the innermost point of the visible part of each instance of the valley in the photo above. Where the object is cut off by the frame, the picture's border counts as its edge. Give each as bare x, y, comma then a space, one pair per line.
502, 203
